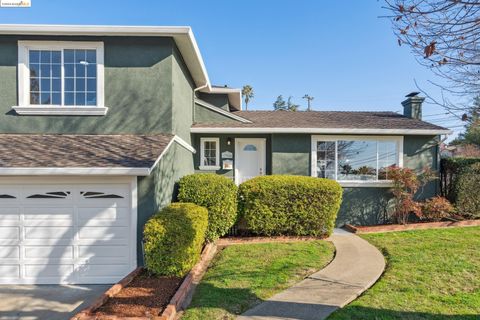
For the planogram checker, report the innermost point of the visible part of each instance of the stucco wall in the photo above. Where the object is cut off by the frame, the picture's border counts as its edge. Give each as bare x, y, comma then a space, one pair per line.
159, 188
218, 100
205, 115
138, 88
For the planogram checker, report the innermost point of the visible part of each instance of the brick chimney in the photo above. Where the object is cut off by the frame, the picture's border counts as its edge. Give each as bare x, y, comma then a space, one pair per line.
412, 106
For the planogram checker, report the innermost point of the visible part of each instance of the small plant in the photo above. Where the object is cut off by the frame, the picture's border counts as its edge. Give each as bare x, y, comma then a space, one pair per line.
436, 208
173, 239
406, 183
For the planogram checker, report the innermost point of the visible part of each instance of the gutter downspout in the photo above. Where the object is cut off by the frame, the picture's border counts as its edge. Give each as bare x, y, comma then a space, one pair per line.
193, 99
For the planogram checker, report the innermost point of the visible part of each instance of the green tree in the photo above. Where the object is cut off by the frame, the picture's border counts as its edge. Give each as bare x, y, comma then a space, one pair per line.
279, 104
247, 94
291, 106
472, 128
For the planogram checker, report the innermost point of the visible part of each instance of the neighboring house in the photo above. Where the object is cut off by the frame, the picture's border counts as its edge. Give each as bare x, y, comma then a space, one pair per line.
459, 150
99, 122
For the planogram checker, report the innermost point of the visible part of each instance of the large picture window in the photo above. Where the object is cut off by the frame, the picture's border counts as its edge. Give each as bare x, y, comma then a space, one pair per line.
354, 159
57, 77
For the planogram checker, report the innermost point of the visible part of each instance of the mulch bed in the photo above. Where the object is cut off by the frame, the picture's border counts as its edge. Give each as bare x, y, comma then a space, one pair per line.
411, 226
222, 242
145, 296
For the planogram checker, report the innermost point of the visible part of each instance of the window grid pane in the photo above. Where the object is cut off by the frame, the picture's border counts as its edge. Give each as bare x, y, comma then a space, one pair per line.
45, 77
210, 153
79, 83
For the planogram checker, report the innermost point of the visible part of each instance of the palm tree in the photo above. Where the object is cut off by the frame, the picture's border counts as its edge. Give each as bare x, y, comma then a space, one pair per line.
247, 94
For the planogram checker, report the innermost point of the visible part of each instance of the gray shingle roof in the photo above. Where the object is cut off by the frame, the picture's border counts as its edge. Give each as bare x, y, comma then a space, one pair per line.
324, 119
81, 151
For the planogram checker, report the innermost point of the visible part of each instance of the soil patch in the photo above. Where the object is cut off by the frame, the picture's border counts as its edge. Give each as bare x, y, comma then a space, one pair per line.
145, 296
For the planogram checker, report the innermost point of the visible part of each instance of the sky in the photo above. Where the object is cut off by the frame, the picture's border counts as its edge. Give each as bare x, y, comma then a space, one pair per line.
340, 52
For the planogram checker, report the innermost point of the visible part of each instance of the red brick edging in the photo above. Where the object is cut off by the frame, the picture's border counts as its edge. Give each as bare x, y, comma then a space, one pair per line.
411, 226
178, 301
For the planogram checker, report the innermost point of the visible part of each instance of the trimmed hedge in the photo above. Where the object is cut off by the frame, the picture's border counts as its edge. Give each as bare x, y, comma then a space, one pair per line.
290, 205
467, 195
173, 239
216, 193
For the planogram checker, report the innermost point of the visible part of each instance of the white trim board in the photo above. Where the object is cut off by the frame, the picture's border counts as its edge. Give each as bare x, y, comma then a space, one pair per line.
221, 111
425, 132
217, 153
98, 171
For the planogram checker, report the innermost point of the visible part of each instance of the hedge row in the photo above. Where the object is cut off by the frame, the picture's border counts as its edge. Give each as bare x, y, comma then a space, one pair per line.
450, 169
290, 205
466, 191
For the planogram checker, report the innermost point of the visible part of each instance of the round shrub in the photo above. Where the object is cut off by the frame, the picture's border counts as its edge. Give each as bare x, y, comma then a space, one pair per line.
173, 239
216, 193
290, 205
436, 208
468, 198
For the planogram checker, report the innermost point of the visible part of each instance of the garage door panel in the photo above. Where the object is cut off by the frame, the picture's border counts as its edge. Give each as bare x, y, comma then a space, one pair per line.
9, 271
41, 232
65, 233
48, 252
103, 233
10, 233
98, 216
57, 271
9, 252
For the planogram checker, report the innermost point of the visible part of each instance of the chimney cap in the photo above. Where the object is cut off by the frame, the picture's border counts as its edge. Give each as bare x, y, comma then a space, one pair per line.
412, 94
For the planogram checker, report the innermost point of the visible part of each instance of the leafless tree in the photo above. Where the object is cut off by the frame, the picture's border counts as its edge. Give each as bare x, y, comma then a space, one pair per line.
444, 35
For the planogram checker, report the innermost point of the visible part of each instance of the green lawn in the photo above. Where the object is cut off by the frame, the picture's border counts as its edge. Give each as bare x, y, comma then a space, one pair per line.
241, 276
431, 274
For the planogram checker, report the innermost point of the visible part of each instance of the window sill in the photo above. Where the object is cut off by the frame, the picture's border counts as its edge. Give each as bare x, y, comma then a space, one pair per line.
366, 184
61, 111
209, 168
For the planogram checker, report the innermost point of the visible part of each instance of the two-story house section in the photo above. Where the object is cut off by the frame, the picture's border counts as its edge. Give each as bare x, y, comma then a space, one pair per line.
94, 131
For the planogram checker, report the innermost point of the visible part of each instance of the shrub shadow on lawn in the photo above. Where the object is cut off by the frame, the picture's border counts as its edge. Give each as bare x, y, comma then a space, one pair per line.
356, 312
233, 300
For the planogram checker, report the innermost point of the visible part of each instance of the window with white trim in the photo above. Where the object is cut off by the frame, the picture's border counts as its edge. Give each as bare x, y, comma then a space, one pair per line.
355, 159
209, 153
60, 77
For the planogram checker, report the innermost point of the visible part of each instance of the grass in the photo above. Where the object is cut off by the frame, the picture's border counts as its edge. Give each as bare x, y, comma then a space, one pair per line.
242, 276
431, 274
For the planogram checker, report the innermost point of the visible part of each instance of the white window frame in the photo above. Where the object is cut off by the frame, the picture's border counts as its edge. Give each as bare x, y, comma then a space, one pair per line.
355, 183
25, 108
202, 154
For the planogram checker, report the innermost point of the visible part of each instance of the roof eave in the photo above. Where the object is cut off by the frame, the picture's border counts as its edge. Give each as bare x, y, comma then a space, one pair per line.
321, 131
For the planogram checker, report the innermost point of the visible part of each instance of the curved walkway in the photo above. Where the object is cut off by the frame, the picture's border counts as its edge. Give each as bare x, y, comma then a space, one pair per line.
357, 265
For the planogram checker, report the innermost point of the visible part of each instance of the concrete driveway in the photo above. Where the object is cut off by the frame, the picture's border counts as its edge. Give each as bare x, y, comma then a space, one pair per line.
49, 302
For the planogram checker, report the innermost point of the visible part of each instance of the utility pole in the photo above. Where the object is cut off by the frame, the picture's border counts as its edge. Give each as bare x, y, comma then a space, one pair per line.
309, 100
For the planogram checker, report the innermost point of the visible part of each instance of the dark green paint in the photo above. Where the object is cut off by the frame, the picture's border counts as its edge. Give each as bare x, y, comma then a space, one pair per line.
205, 115
218, 100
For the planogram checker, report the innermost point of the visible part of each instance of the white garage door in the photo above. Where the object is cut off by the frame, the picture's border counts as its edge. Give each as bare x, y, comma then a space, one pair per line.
76, 231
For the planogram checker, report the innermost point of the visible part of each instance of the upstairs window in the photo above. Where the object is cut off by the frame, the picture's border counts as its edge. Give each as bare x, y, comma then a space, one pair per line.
60, 78
354, 160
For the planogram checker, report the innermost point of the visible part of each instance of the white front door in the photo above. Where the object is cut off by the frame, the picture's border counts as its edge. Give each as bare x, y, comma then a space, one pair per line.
249, 158
68, 230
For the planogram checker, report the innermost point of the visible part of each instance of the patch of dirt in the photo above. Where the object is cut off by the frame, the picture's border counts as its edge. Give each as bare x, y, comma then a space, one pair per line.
145, 296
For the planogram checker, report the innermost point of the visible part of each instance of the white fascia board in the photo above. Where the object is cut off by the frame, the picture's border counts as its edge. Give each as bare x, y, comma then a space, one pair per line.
71, 171
234, 95
221, 111
183, 36
322, 131
178, 140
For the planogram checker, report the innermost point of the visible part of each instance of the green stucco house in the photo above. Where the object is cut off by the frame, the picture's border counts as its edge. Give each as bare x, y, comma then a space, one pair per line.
98, 123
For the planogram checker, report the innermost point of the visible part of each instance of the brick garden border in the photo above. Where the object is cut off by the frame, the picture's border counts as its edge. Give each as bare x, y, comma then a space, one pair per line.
411, 226
180, 299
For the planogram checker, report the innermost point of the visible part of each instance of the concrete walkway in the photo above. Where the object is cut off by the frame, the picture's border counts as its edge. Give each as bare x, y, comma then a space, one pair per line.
357, 266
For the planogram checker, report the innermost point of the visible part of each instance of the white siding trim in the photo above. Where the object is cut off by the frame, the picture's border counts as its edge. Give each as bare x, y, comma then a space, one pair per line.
134, 219
323, 131
61, 110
